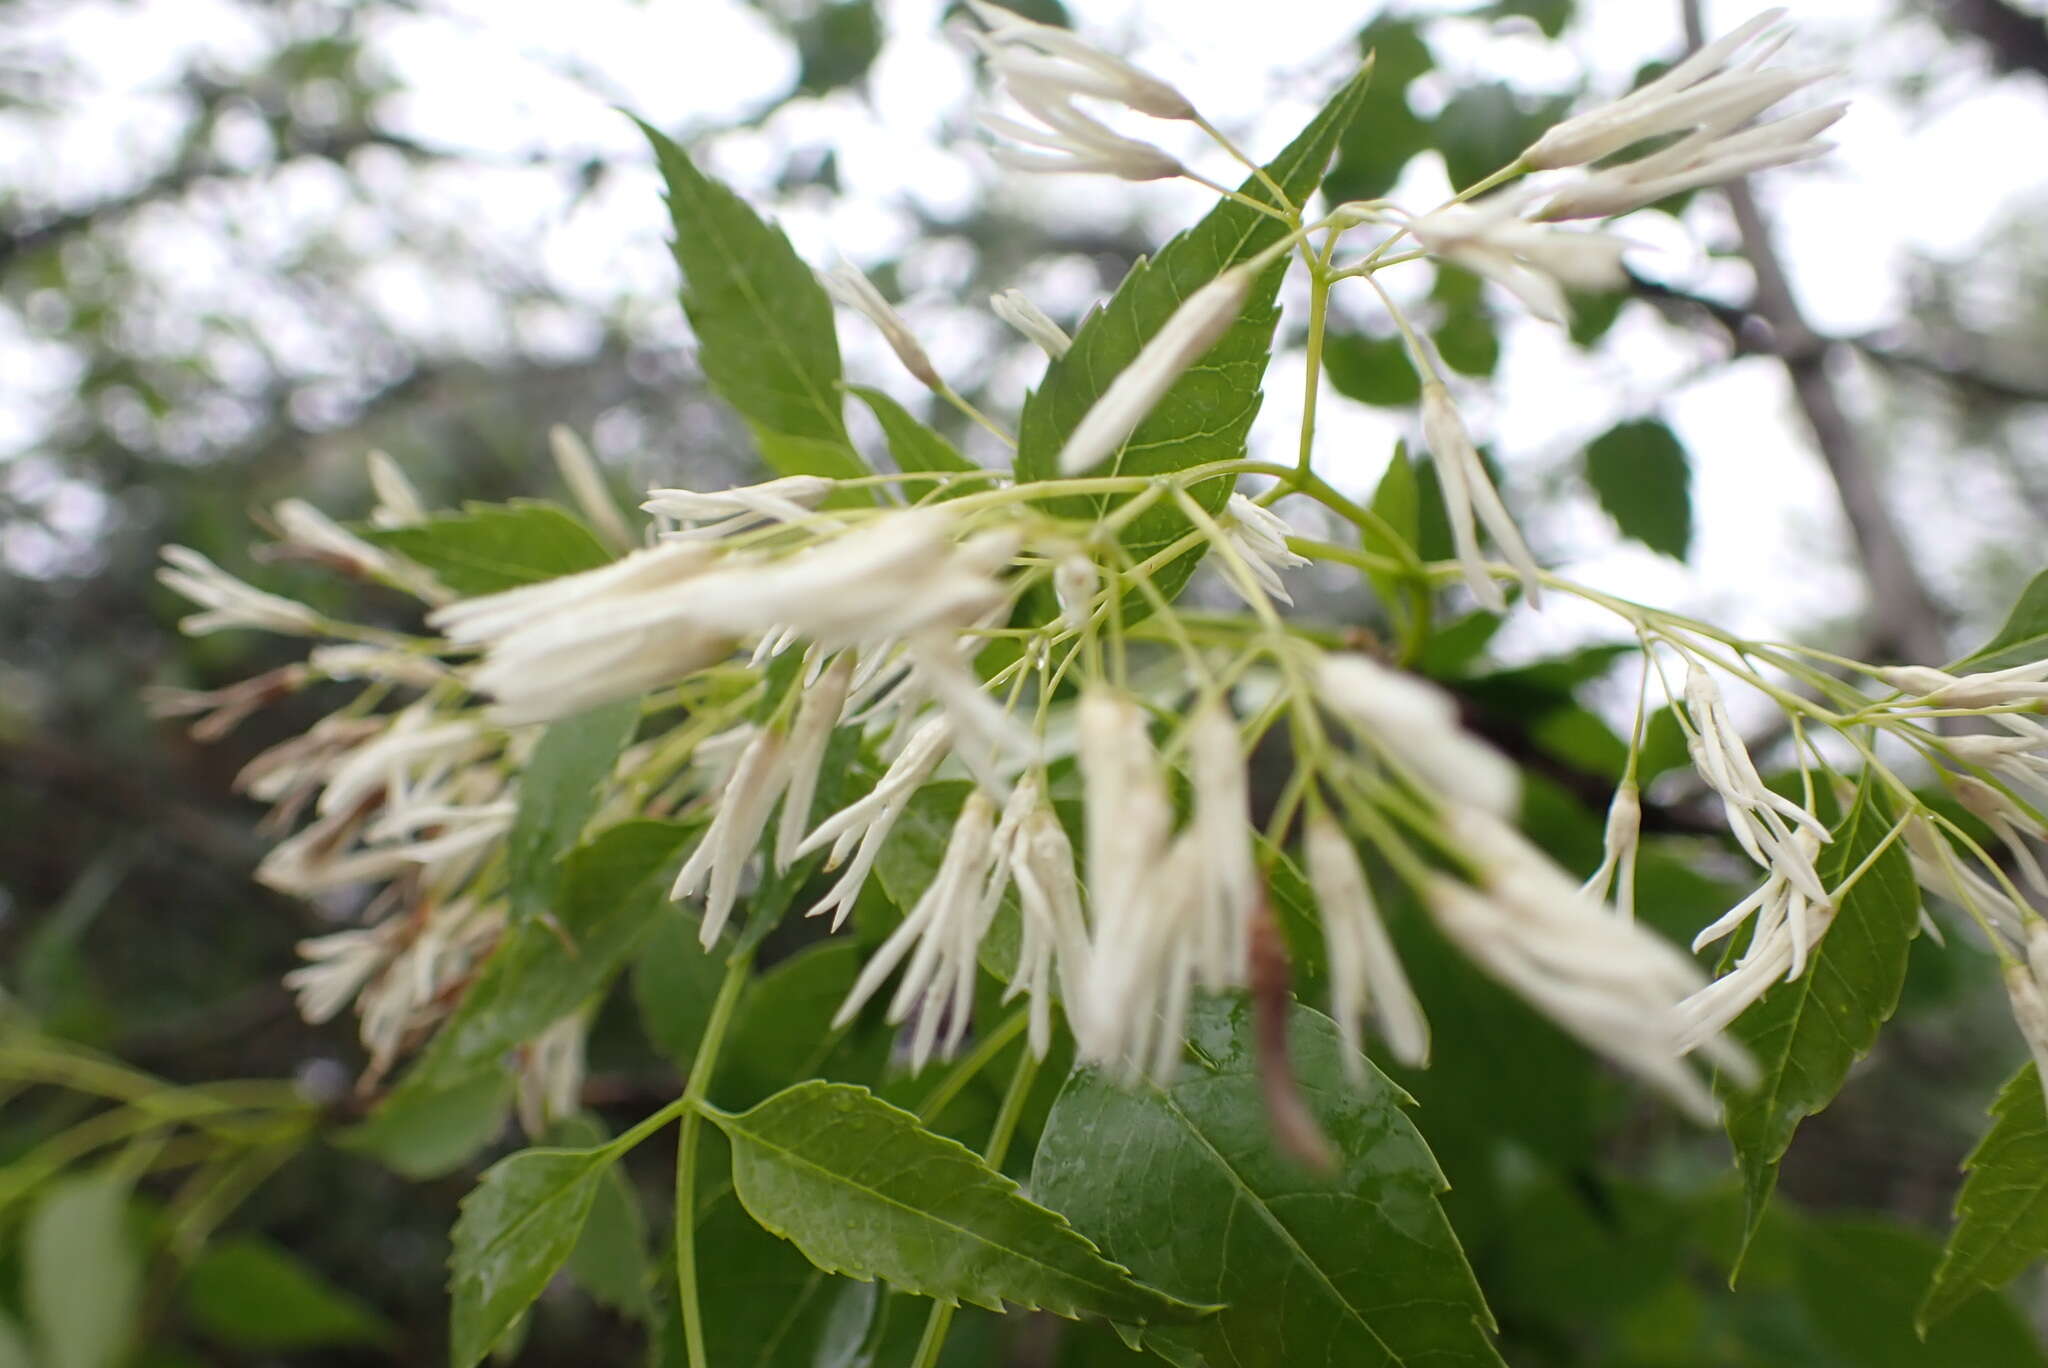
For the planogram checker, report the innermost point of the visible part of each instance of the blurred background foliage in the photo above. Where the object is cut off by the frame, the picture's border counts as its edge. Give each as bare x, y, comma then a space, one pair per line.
286, 268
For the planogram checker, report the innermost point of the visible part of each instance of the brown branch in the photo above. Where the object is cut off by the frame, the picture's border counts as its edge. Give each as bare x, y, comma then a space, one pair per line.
1904, 616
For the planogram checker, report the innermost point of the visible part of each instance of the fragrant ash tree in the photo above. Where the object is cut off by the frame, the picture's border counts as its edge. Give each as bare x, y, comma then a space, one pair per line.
957, 735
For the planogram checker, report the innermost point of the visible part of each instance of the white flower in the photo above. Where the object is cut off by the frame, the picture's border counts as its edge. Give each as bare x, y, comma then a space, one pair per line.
1757, 816
379, 663
1053, 929
1607, 980
1416, 723
1076, 582
307, 529
740, 816
1196, 326
1617, 871
817, 713
850, 287
1463, 478
985, 736
722, 512
1015, 308
416, 750
1708, 89
2011, 758
1534, 263
549, 1077
2026, 984
1365, 972
1019, 49
1072, 141
317, 859
442, 945
221, 710
861, 828
228, 601
1937, 870
1259, 537
1706, 157
1228, 892
1129, 820
398, 503
2010, 822
337, 966
2020, 686
945, 928
1783, 910
586, 482
558, 648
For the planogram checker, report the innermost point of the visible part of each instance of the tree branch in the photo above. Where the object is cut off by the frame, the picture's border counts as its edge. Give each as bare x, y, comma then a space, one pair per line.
1904, 616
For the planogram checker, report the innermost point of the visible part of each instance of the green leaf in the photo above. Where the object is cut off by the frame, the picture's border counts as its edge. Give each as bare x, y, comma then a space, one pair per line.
610, 1260
428, 1132
517, 1227
2002, 1213
1465, 336
613, 890
1643, 480
1858, 1278
1207, 413
763, 323
489, 547
1372, 370
864, 1190
249, 1293
558, 793
674, 981
765, 1305
1186, 1187
1486, 126
2023, 638
14, 1350
1805, 1034
784, 1030
81, 1274
914, 446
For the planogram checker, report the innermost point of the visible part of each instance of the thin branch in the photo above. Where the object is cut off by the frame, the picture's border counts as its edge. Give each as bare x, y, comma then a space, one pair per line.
2016, 40
1904, 615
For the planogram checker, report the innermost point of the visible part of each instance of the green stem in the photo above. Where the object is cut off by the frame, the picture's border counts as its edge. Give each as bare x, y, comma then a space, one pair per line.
1318, 323
694, 1093
1007, 1116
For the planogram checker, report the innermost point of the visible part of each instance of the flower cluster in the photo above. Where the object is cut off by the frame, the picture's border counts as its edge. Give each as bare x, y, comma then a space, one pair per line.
819, 665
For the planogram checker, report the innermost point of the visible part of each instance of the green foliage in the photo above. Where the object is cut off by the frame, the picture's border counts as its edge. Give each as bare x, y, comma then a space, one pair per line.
914, 446
1644, 481
1465, 333
2002, 1215
1185, 1186
490, 547
558, 792
1377, 144
429, 1132
250, 1294
610, 1260
613, 890
864, 1190
674, 981
2024, 636
1486, 126
1805, 1034
82, 1274
1372, 370
784, 1028
763, 323
1207, 413
517, 1227
1859, 1279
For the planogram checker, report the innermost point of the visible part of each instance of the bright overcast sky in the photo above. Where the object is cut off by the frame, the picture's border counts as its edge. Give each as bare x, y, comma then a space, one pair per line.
504, 78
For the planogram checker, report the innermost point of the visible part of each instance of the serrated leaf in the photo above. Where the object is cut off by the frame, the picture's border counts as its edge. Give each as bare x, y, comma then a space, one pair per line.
864, 1190
2023, 638
558, 793
765, 1305
81, 1273
1209, 410
1186, 1187
1805, 1034
517, 1227
1644, 481
489, 547
250, 1294
2002, 1212
763, 323
612, 891
914, 446
610, 1261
